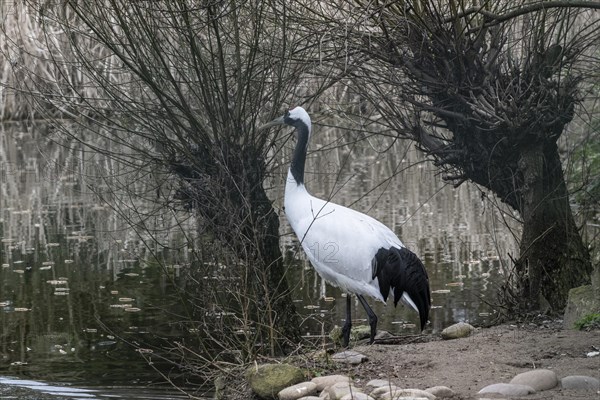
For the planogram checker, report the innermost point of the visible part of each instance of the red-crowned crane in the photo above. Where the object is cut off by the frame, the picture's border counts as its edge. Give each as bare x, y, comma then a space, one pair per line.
349, 249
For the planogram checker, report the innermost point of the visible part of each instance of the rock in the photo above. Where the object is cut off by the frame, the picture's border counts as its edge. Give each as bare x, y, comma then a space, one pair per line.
357, 333
360, 332
379, 392
401, 394
339, 390
297, 391
382, 335
392, 396
310, 398
580, 303
494, 397
349, 357
538, 379
267, 380
459, 330
507, 389
583, 300
410, 398
323, 381
596, 285
580, 382
375, 383
357, 396
440, 391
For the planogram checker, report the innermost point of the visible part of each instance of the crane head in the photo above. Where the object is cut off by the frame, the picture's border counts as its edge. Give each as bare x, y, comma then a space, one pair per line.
293, 117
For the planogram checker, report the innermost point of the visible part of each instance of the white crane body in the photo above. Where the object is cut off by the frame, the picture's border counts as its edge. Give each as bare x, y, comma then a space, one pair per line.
340, 243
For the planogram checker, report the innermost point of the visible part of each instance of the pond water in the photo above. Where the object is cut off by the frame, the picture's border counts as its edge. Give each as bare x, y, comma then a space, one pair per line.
87, 295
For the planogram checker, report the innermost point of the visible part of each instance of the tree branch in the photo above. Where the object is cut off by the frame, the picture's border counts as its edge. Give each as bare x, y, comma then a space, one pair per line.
543, 5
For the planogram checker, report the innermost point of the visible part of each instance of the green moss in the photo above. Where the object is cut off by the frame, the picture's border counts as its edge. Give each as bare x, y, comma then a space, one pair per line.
268, 379
357, 333
588, 322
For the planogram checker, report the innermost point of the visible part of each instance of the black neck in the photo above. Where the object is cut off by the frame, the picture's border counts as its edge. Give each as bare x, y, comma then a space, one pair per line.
299, 158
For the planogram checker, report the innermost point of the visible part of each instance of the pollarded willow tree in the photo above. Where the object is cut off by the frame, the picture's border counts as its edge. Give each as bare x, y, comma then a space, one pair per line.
486, 90
182, 85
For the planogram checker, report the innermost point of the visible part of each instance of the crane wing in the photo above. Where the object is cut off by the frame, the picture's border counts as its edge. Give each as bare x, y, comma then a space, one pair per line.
341, 244
401, 270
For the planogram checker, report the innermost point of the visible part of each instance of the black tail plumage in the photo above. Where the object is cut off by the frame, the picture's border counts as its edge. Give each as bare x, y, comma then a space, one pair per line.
401, 270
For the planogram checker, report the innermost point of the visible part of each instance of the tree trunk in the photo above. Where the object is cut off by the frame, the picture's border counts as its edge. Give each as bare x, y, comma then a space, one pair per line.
273, 293
224, 187
553, 257
488, 107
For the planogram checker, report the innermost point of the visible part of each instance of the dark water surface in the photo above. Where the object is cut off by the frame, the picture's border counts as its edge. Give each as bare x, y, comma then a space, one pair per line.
87, 295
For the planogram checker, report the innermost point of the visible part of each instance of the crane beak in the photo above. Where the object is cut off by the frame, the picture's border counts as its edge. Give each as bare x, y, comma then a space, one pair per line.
276, 121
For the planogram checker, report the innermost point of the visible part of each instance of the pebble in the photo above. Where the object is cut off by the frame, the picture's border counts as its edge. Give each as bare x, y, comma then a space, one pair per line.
382, 390
328, 380
538, 379
580, 382
357, 396
340, 389
382, 335
375, 383
507, 389
297, 391
459, 330
267, 380
403, 393
440, 391
349, 357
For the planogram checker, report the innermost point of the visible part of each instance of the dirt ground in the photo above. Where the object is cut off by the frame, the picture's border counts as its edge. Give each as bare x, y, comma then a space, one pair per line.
489, 355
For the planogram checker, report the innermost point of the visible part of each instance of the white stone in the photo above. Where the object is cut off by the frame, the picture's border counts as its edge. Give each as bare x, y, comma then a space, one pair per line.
349, 357
382, 335
403, 393
357, 396
404, 398
310, 398
508, 389
339, 390
492, 398
327, 380
580, 382
382, 390
297, 391
375, 383
459, 330
539, 379
440, 391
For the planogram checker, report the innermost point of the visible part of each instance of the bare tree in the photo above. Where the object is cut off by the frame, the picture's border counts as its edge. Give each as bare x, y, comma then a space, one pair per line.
486, 91
181, 85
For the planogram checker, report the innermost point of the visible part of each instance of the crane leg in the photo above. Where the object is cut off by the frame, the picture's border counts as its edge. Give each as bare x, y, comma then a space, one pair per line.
371, 315
348, 324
